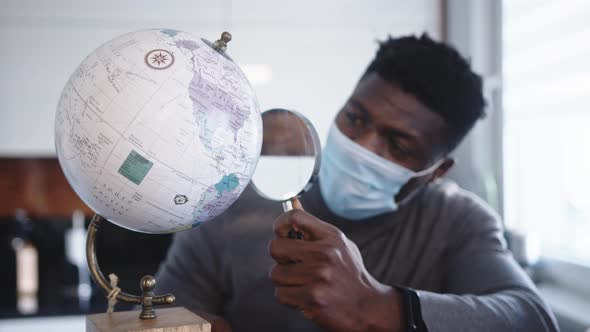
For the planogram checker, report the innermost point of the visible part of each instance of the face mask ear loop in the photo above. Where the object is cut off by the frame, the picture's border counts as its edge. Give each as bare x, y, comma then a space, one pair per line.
416, 175
429, 169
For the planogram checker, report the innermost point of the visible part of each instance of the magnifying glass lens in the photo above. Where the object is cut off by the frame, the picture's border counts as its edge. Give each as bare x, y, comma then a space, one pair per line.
290, 158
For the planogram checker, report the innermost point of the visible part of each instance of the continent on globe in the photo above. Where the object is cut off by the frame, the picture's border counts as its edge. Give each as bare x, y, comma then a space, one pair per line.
227, 183
212, 200
157, 131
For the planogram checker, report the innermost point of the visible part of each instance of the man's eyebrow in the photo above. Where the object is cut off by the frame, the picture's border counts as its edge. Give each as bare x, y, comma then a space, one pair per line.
402, 134
389, 130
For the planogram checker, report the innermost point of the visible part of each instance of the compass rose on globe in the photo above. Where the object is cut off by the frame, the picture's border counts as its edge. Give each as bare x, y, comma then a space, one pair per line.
159, 59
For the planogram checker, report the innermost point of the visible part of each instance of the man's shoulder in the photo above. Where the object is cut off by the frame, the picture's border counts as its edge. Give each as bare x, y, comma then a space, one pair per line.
448, 192
458, 206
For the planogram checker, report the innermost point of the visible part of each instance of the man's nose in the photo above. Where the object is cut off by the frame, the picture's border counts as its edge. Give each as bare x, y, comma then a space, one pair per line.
371, 141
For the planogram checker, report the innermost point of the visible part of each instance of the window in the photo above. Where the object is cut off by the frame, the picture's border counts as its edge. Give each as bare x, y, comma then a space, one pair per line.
547, 124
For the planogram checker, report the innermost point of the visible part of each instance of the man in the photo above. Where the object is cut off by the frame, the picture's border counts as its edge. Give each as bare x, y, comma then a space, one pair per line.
387, 244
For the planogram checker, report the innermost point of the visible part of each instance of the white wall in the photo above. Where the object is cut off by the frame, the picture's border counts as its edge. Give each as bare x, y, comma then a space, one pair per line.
315, 49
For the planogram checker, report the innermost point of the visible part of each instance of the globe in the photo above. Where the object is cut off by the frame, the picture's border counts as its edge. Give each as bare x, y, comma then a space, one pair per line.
157, 131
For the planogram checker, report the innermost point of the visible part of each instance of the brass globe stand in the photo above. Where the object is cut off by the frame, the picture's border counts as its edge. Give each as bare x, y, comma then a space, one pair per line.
147, 300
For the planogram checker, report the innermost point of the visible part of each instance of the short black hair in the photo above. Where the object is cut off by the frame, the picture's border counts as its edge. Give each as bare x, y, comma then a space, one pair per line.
437, 75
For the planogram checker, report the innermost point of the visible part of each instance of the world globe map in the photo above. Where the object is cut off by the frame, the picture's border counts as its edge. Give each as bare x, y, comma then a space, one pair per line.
157, 131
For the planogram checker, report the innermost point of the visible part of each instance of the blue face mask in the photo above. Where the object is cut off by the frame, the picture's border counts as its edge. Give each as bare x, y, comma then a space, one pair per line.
357, 183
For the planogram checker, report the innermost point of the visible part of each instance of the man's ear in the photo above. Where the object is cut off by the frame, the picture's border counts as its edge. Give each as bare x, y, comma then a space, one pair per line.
444, 167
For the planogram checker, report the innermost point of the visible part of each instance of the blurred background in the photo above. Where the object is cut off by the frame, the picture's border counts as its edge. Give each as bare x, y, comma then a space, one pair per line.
529, 158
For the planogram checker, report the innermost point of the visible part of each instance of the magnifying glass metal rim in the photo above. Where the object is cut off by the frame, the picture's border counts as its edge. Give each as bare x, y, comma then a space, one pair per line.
318, 157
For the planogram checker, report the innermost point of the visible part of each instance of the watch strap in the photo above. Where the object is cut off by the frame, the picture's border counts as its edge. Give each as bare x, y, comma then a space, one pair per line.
412, 309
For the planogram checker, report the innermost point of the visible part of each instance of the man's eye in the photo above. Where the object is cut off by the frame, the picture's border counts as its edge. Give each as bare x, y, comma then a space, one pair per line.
354, 119
397, 148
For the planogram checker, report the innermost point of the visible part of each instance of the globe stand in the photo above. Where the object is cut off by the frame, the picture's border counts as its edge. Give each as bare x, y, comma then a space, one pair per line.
147, 300
173, 319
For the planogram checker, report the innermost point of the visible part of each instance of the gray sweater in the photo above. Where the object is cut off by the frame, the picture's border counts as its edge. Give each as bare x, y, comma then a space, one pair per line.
445, 242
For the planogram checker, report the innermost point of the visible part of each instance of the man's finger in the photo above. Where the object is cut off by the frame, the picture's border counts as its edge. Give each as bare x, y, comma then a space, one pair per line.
285, 250
299, 274
289, 275
299, 220
301, 298
293, 297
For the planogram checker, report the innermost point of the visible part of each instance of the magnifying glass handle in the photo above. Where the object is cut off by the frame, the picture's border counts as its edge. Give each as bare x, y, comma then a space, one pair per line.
288, 206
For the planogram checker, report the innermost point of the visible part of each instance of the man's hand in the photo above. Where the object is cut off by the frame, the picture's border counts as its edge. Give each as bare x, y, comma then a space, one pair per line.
323, 275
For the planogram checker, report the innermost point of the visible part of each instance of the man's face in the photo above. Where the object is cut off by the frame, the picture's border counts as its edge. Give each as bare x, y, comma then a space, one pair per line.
396, 126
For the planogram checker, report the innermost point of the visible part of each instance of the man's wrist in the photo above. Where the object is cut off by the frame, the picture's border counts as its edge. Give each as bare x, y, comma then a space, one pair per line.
398, 311
386, 312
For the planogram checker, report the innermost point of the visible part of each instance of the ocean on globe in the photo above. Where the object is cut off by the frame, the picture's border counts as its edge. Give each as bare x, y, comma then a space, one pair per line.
158, 132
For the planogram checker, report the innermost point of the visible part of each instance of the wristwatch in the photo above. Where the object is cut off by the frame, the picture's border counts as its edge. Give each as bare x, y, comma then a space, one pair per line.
412, 310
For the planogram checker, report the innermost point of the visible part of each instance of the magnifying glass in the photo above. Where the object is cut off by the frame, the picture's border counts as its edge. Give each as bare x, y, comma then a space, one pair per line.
289, 162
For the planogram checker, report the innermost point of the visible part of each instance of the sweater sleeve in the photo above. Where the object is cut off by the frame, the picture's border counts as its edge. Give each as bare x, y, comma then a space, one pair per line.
484, 288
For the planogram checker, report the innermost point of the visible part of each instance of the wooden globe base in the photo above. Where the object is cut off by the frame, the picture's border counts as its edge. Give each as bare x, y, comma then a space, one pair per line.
169, 320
